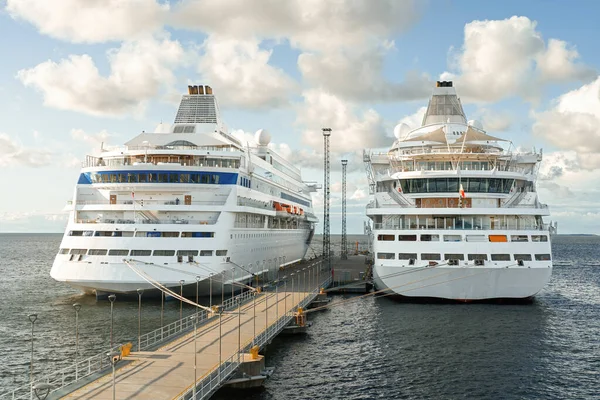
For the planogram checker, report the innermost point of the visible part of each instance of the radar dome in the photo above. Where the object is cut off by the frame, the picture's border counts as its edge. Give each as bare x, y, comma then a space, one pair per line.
262, 137
476, 124
401, 130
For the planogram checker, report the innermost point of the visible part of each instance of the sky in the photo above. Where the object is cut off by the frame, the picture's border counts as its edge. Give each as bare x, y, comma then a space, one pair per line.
75, 74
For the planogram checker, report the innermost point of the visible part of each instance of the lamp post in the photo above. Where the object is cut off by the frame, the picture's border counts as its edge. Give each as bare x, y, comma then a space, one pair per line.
232, 280
210, 290
220, 311
292, 275
114, 359
254, 319
77, 307
266, 309
162, 312
285, 295
112, 299
239, 301
195, 319
140, 292
277, 299
198, 279
181, 282
32, 319
222, 287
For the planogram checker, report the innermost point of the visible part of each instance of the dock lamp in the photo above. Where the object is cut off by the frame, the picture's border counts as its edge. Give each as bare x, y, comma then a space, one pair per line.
140, 292
114, 358
32, 319
181, 282
194, 319
112, 299
77, 307
42, 390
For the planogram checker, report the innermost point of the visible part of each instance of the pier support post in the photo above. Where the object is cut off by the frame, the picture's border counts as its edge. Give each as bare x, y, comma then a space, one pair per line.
77, 307
140, 292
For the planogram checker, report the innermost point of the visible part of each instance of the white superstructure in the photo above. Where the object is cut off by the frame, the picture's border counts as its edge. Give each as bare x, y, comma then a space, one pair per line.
432, 241
185, 201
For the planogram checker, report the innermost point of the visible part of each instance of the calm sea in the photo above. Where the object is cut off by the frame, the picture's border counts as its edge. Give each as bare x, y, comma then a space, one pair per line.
372, 348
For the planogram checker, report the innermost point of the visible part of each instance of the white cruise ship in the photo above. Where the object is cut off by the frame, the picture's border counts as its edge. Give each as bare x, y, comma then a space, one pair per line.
184, 201
455, 212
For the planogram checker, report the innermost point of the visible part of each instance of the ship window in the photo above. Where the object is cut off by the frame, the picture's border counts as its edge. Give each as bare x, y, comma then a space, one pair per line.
519, 238
542, 257
198, 234
170, 234
430, 256
143, 178
132, 178
153, 177
407, 256
407, 238
524, 257
454, 256
500, 257
498, 238
63, 251
141, 252
78, 251
164, 253
386, 238
103, 233
472, 257
116, 252
430, 238
221, 252
452, 238
162, 178
195, 178
539, 238
187, 252
173, 178
386, 256
76, 233
477, 238
206, 253
97, 252
184, 178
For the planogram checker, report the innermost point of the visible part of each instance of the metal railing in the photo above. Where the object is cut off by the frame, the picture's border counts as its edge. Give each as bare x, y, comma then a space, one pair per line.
218, 375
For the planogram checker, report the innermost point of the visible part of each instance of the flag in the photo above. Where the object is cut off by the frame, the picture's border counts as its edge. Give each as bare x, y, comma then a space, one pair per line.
462, 192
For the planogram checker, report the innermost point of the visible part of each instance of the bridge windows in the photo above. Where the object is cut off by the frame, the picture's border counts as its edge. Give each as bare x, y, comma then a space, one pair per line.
452, 185
407, 238
430, 256
539, 238
118, 252
500, 257
164, 253
523, 257
407, 256
543, 257
430, 238
141, 253
454, 256
472, 257
97, 252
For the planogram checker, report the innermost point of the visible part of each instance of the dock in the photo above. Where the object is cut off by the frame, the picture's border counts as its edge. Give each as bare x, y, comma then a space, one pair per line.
199, 353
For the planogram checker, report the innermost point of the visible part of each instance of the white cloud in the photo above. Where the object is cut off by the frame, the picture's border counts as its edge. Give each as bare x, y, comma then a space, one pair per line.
349, 131
414, 120
502, 58
13, 153
307, 24
494, 121
93, 139
357, 75
239, 71
139, 69
90, 21
359, 194
574, 124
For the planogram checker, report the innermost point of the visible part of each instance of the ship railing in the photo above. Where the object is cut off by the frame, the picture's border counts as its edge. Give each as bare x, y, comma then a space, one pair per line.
500, 227
144, 202
242, 201
208, 384
144, 221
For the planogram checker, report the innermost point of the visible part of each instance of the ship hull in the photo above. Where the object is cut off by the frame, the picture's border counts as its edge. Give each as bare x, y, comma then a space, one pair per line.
463, 283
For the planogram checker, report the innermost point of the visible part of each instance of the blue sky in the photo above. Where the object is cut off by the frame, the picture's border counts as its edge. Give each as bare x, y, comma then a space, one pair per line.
76, 74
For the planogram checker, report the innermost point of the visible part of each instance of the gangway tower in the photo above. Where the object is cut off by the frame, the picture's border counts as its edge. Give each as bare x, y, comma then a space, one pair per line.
344, 236
326, 168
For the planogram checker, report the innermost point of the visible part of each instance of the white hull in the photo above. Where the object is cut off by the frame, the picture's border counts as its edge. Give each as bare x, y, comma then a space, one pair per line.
464, 283
101, 274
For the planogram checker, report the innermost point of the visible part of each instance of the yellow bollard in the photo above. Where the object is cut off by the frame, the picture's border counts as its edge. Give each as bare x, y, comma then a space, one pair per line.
254, 352
126, 349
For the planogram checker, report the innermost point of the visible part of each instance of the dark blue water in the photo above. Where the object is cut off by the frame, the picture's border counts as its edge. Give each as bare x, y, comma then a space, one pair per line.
367, 348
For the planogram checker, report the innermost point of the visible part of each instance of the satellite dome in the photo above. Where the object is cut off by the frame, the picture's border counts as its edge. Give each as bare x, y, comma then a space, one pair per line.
401, 130
476, 124
262, 137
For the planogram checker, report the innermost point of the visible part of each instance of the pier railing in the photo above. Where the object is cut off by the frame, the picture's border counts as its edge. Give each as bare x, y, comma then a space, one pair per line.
214, 379
99, 362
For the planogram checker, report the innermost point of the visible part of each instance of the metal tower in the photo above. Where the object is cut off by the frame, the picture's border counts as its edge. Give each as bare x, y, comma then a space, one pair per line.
344, 237
326, 238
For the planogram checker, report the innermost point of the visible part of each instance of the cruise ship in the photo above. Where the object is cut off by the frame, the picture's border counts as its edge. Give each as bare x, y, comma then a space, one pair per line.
184, 203
455, 213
